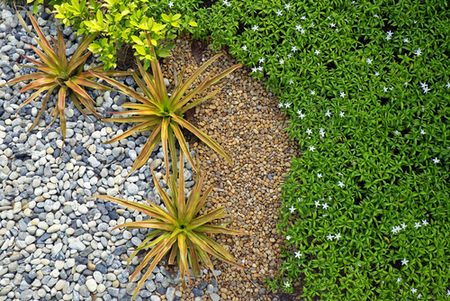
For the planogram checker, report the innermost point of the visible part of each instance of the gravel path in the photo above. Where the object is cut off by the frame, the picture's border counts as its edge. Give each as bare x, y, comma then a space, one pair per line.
55, 238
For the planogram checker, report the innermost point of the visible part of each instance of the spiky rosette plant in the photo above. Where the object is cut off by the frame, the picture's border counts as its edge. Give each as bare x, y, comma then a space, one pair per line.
181, 231
163, 114
57, 73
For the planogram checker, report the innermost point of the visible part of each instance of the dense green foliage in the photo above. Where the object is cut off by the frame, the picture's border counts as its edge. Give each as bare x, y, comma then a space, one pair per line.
366, 207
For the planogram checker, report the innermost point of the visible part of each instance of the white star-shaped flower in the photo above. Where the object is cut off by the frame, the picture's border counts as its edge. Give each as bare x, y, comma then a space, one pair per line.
291, 81
312, 25
448, 293
413, 290
287, 105
341, 184
294, 49
226, 3
385, 89
298, 27
328, 113
317, 52
244, 48
418, 52
341, 114
300, 114
422, 132
417, 225
426, 90
288, 237
280, 105
399, 279
302, 31
289, 55
330, 237
436, 160
375, 16
312, 148
170, 4
325, 206
404, 226
255, 27
319, 175
292, 209
394, 229
397, 133
303, 18
279, 13
281, 62
261, 60
317, 203
254, 69
369, 61
388, 37
390, 33
342, 94
447, 85
321, 132
287, 284
260, 68
404, 261
308, 131
287, 6
332, 25
424, 222
405, 40
419, 296
298, 254
377, 74
313, 92
337, 236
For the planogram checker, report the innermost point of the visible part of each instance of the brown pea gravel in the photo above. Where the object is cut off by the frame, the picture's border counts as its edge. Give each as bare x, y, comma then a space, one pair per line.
245, 120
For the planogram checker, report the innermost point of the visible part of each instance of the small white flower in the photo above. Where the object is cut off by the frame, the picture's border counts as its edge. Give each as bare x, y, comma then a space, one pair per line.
298, 27
291, 81
280, 105
394, 229
397, 133
312, 148
424, 222
422, 132
447, 85
302, 31
325, 206
341, 184
313, 92
288, 237
436, 160
330, 237
337, 236
341, 114
405, 40
375, 16
317, 52
388, 37
287, 105
321, 132
292, 209
289, 55
298, 254
255, 27
418, 52
342, 94
254, 69
448, 293
319, 175
369, 61
170, 4
260, 68
413, 290
244, 48
415, 21
406, 83
279, 13
417, 225
300, 114
399, 279
377, 74
308, 131
332, 25
419, 296
287, 284
404, 226
385, 89
287, 6
328, 113
317, 203
312, 25
303, 18
404, 261
281, 61
226, 3
390, 33
426, 90
294, 49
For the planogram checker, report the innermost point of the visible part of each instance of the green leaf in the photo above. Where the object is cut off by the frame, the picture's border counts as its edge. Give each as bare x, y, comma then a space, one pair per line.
193, 24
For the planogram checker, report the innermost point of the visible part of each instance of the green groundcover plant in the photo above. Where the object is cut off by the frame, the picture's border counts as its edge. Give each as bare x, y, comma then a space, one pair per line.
366, 86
